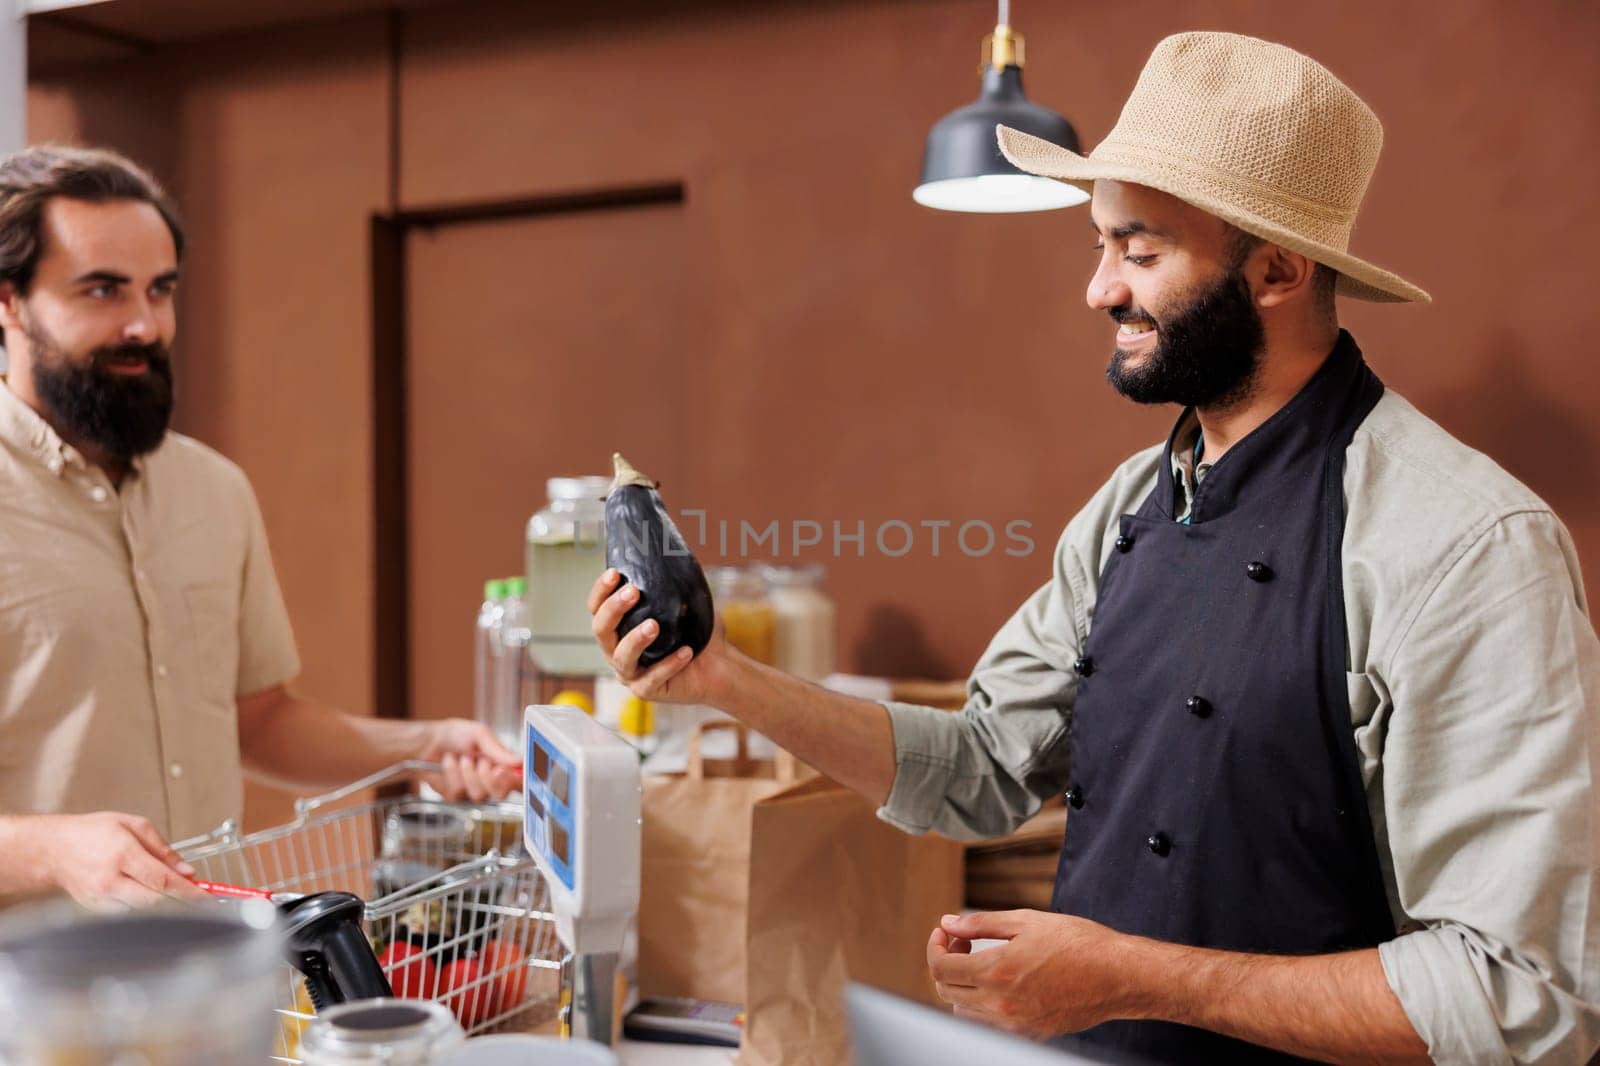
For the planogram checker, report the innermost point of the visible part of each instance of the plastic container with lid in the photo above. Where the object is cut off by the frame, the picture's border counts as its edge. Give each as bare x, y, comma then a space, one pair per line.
806, 636
566, 551
746, 611
381, 1032
426, 833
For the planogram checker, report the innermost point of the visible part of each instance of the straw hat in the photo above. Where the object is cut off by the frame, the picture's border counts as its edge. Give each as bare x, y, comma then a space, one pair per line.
1252, 132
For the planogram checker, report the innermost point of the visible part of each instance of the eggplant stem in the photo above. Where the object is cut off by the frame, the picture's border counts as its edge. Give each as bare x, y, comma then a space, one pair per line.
625, 474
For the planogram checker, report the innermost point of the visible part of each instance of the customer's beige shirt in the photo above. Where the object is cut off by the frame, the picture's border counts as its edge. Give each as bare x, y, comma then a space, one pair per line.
1474, 682
130, 622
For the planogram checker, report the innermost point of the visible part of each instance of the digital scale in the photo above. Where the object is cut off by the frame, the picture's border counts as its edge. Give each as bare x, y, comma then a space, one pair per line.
580, 820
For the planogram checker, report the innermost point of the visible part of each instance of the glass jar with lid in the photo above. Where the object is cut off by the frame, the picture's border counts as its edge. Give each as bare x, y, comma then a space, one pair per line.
381, 1032
805, 637
746, 611
151, 986
566, 551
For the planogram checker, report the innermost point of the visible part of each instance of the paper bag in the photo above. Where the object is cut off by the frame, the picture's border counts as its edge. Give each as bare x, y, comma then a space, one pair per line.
771, 887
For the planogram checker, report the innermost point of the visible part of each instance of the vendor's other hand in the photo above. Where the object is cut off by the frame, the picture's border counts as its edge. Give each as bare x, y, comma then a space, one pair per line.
475, 765
680, 677
1055, 974
108, 860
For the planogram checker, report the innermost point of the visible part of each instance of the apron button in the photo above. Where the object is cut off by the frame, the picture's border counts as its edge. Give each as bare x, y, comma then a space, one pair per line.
1083, 666
1075, 797
1259, 571
1159, 843
1197, 706
1124, 543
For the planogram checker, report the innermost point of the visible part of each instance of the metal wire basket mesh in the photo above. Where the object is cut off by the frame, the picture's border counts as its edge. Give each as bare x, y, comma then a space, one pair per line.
456, 909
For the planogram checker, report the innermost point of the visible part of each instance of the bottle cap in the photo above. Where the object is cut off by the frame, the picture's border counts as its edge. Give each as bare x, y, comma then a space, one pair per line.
494, 589
516, 586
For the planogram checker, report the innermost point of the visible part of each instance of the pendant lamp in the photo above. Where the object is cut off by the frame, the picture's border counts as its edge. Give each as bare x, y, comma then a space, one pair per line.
962, 168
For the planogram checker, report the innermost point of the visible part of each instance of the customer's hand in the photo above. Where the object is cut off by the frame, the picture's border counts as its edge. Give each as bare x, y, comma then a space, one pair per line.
476, 766
106, 860
679, 678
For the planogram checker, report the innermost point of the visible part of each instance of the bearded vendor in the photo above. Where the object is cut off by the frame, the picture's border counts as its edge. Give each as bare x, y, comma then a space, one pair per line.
146, 657
1317, 681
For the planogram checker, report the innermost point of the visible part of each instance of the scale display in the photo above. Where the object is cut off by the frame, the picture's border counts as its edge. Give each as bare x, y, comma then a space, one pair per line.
580, 819
548, 813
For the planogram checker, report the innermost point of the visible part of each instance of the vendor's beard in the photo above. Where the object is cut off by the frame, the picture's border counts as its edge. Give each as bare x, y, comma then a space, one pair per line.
1206, 354
124, 415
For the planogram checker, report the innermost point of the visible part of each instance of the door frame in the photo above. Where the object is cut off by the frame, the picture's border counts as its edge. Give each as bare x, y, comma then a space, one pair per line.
391, 439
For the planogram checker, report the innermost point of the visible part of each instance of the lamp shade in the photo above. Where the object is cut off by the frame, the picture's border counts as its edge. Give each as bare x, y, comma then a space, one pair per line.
962, 168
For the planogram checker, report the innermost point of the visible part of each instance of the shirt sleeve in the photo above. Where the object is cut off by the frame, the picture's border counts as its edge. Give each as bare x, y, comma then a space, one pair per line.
1490, 805
982, 771
267, 654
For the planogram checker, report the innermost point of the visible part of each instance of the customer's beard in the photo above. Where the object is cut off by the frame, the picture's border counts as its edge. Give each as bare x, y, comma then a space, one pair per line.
123, 415
1207, 353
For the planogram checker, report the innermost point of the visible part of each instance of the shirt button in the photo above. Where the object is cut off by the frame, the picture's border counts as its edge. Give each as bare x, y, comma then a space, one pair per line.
1083, 666
161, 670
1075, 797
1259, 571
1124, 542
176, 769
1158, 843
1197, 706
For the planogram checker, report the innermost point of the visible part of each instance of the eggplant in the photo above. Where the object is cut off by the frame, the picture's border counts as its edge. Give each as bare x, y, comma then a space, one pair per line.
644, 546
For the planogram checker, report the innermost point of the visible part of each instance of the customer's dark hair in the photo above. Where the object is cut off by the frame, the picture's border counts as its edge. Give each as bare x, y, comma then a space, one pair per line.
33, 176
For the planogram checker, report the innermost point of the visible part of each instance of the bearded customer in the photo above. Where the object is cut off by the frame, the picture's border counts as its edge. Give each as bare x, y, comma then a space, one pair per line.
1317, 680
145, 650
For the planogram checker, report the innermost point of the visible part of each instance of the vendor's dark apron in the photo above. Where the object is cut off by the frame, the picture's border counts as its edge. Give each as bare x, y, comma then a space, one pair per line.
1216, 799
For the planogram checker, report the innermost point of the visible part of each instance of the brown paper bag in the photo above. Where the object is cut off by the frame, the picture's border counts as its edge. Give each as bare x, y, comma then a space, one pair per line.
768, 886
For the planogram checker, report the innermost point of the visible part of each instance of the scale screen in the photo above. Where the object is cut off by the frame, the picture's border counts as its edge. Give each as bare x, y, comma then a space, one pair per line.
550, 814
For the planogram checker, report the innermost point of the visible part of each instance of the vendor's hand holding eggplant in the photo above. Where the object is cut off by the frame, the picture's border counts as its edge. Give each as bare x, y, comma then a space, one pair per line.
661, 617
681, 677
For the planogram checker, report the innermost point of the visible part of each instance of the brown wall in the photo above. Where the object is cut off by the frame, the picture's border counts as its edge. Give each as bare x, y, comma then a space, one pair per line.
798, 340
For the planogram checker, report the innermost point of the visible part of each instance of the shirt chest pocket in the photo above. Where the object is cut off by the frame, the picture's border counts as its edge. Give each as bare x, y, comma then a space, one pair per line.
213, 619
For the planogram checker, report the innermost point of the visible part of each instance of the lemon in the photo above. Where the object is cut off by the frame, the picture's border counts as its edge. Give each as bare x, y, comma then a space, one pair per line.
573, 698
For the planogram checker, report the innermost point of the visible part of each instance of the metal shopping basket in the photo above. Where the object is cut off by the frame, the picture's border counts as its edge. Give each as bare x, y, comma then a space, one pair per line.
457, 910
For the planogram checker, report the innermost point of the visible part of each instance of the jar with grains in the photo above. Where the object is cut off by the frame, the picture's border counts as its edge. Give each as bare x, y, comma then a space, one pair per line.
805, 638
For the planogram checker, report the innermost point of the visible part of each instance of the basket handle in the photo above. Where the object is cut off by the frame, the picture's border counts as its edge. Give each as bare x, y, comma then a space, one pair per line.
304, 806
227, 831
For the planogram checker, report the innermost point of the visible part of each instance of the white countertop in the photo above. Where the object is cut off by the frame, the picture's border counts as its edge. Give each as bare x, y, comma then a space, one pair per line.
639, 1053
